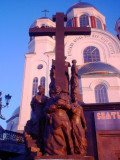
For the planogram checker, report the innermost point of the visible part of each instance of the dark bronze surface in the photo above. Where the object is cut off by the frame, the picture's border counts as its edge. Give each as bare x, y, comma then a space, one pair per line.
75, 89
60, 79
35, 126
108, 145
57, 124
52, 31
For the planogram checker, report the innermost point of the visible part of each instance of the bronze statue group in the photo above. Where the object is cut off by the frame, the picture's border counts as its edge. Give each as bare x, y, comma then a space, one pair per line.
58, 123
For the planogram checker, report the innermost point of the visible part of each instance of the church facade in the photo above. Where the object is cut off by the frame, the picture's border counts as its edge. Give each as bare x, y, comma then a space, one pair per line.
98, 56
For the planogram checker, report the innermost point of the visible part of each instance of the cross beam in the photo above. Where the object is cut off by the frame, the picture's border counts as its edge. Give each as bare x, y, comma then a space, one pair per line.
60, 31
52, 31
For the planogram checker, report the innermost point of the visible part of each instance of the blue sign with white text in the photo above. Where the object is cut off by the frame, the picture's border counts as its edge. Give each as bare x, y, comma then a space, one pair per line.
107, 120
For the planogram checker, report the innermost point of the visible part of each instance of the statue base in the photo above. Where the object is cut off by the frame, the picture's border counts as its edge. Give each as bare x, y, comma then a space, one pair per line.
65, 157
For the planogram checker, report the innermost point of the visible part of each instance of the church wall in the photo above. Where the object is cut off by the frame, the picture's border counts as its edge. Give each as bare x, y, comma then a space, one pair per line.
77, 12
38, 72
43, 22
26, 95
107, 44
78, 49
40, 45
89, 83
114, 61
46, 22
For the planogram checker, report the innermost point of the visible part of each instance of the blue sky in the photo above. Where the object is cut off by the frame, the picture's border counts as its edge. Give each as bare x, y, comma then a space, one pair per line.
16, 16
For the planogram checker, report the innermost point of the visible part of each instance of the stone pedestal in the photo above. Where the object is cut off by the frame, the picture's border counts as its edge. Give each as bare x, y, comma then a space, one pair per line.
67, 157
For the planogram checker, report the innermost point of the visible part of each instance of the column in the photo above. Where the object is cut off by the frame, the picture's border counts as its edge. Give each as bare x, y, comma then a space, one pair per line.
75, 22
93, 22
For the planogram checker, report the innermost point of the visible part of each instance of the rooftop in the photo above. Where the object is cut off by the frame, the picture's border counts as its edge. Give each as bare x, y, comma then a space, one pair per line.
97, 67
80, 5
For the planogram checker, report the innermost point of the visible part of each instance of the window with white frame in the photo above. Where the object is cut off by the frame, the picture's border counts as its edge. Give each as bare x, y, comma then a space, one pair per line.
98, 23
101, 94
91, 54
84, 20
42, 81
35, 86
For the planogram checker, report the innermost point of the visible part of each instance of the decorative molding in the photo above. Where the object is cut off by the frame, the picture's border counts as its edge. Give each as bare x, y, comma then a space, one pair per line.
108, 40
93, 84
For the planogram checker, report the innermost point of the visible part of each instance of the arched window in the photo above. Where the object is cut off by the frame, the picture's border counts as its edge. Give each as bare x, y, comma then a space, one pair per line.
42, 81
35, 86
84, 20
98, 23
69, 23
91, 54
101, 95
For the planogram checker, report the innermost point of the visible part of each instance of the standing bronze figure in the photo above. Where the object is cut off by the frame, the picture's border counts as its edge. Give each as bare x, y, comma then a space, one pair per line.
58, 140
37, 104
79, 129
35, 126
75, 89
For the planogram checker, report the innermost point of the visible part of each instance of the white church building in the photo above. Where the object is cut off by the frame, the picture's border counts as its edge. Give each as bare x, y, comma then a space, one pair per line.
97, 55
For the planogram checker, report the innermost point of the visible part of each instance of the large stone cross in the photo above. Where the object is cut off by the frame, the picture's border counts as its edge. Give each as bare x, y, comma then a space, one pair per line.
60, 31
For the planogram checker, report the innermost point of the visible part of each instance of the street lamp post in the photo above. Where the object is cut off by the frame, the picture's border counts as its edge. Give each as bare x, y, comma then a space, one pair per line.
7, 99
